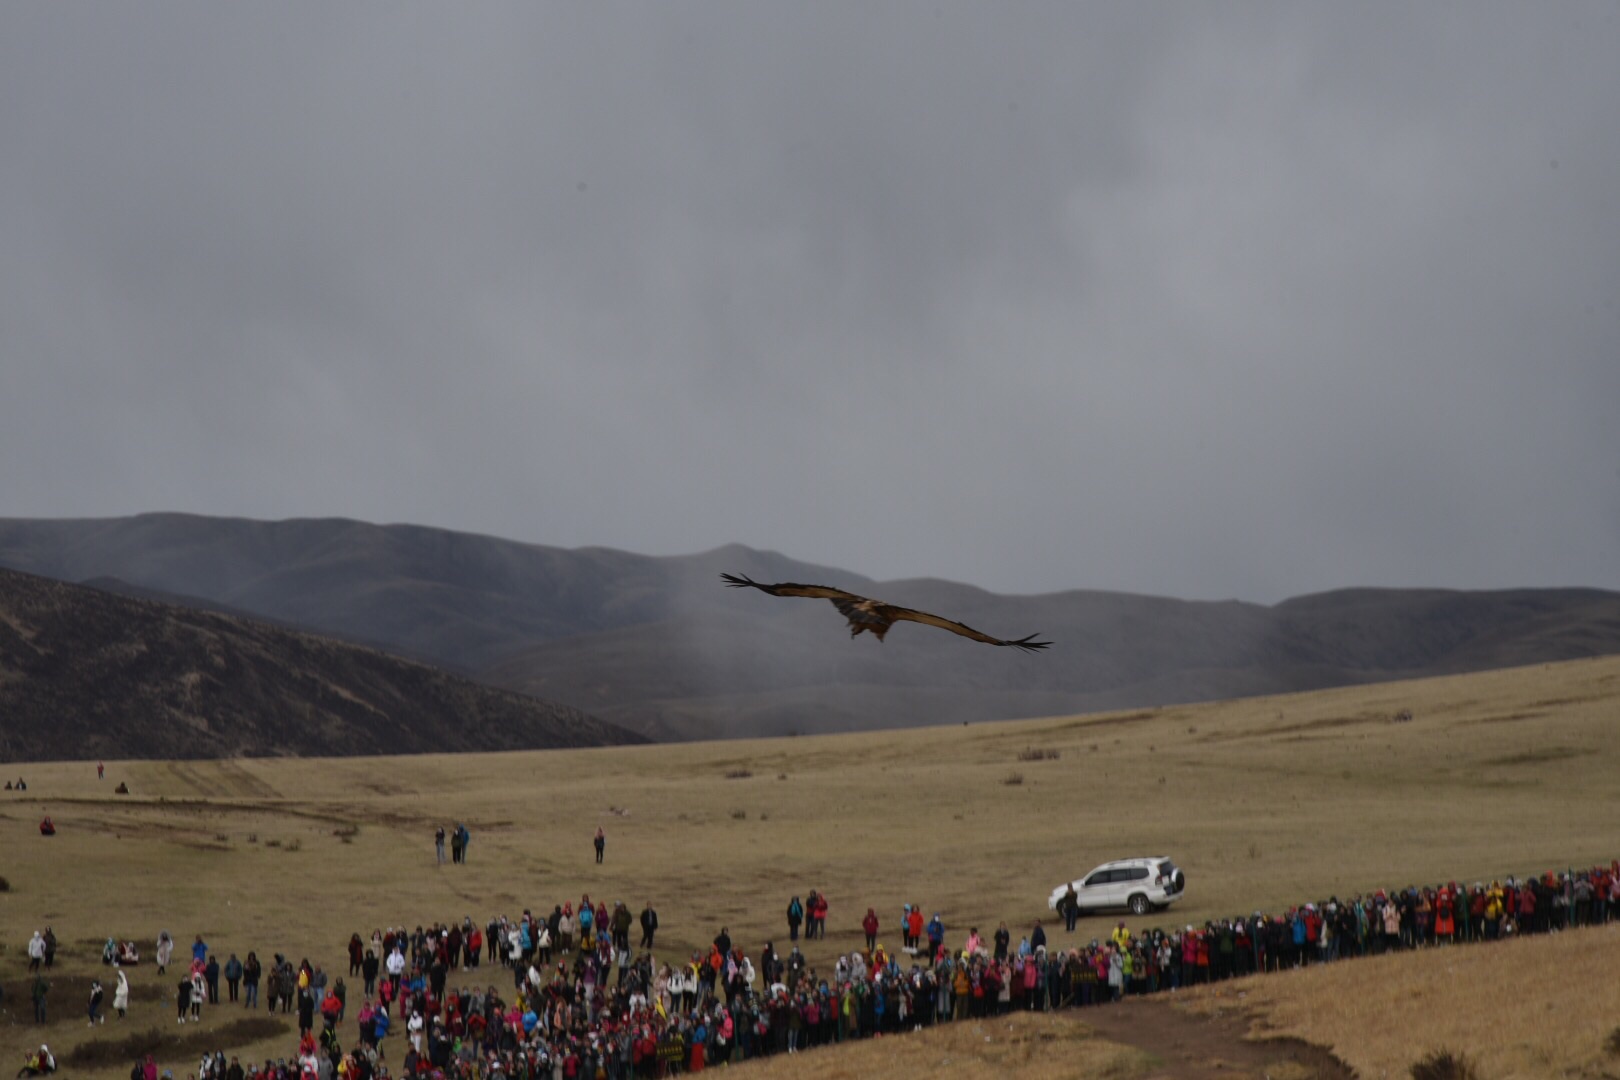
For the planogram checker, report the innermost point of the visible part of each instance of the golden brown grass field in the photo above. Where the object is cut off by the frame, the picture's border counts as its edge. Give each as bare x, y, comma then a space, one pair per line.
1264, 802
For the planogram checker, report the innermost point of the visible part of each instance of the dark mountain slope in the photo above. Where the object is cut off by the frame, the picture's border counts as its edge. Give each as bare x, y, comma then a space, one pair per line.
90, 674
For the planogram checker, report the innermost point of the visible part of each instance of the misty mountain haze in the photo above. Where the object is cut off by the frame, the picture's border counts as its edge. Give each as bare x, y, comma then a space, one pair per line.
658, 645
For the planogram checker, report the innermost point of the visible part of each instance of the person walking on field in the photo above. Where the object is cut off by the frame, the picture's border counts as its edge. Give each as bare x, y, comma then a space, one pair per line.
41, 988
121, 995
199, 991
460, 841
601, 843
438, 844
96, 996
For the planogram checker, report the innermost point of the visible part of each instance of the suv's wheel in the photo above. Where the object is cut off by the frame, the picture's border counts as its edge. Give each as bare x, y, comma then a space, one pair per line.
1139, 905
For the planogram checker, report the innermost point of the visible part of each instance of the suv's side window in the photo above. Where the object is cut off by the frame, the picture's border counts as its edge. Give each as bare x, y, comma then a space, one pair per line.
1137, 873
1099, 878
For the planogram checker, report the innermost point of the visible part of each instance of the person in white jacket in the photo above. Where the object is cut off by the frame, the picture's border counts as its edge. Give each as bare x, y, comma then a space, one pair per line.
36, 951
396, 967
199, 990
121, 995
165, 949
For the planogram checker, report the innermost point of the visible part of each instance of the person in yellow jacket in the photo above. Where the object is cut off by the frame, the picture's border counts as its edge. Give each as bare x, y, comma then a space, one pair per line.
1121, 936
1493, 909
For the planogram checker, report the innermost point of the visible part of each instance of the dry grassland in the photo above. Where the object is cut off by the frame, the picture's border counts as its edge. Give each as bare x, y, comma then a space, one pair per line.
1265, 802
1535, 1007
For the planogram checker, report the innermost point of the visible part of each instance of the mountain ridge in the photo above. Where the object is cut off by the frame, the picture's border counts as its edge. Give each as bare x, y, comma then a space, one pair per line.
657, 644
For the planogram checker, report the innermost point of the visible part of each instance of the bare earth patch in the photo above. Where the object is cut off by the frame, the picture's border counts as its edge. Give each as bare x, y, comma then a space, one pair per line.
1189, 1045
186, 1044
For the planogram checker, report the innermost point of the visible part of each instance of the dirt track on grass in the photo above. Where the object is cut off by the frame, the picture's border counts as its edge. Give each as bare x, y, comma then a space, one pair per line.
1192, 1046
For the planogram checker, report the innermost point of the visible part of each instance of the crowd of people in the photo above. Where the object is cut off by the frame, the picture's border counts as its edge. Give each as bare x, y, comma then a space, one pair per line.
564, 996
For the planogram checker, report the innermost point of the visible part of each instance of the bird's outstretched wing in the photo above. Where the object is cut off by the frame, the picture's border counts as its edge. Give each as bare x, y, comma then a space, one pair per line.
897, 614
789, 588
900, 614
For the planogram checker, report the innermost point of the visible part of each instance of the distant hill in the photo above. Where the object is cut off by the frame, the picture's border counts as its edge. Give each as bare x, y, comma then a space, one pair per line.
86, 673
659, 646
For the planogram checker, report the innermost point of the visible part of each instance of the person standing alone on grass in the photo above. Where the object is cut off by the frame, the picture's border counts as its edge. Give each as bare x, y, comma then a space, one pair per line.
649, 925
438, 844
41, 988
601, 843
121, 995
96, 996
233, 975
252, 971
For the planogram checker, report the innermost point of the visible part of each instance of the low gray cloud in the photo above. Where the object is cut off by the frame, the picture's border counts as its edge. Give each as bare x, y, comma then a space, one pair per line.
1237, 301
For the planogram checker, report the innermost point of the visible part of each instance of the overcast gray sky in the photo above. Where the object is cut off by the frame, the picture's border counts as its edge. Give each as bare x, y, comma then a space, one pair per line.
1202, 300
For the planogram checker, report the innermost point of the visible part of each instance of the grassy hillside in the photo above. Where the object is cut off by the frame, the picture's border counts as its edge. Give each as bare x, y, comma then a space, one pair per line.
1380, 1014
1265, 802
90, 674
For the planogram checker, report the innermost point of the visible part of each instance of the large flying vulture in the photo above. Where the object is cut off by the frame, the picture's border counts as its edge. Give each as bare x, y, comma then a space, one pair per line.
874, 615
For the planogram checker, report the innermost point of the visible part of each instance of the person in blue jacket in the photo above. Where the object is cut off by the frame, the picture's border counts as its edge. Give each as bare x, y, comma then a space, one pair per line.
936, 934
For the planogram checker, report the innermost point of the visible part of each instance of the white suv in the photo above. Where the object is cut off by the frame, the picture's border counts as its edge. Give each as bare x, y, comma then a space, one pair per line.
1137, 884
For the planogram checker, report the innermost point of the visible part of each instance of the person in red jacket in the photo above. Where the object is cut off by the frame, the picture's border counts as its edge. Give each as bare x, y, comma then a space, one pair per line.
818, 915
1445, 922
914, 927
870, 925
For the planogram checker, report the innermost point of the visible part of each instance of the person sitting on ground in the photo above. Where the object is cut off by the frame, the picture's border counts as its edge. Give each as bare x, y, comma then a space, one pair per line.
47, 827
40, 1063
